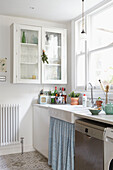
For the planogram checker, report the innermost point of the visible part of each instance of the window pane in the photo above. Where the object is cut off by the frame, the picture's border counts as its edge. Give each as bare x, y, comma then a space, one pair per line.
80, 41
52, 72
101, 67
81, 70
102, 28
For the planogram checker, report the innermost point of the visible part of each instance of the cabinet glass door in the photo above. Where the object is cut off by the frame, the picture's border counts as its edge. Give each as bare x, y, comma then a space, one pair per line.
28, 54
29, 60
53, 45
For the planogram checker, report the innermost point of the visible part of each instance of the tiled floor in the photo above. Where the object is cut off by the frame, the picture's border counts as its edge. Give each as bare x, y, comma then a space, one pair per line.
27, 161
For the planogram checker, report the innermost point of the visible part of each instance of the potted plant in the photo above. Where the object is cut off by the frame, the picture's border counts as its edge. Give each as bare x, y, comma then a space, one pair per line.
74, 98
99, 102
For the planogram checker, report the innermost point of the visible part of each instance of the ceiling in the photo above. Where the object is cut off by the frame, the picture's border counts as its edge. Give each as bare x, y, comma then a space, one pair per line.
53, 10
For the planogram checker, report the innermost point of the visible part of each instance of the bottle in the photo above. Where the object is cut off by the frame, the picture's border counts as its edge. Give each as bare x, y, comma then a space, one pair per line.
60, 98
56, 92
84, 100
63, 100
52, 93
64, 95
60, 92
23, 38
52, 97
56, 100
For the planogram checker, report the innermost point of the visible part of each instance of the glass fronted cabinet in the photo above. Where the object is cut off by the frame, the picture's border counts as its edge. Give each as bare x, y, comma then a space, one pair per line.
26, 54
54, 43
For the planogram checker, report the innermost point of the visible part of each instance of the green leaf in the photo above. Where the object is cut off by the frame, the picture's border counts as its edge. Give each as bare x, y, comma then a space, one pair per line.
44, 57
73, 94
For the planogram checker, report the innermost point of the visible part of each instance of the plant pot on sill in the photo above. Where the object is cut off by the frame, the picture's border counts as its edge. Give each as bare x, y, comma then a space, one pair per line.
99, 103
74, 100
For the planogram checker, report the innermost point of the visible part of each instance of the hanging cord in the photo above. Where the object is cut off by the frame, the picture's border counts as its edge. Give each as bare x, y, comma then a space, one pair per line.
83, 24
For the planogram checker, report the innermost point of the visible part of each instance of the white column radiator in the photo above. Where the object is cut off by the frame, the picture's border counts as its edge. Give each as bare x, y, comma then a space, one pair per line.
9, 124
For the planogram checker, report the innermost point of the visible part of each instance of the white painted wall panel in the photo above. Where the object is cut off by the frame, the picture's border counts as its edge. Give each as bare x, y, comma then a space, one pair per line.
20, 93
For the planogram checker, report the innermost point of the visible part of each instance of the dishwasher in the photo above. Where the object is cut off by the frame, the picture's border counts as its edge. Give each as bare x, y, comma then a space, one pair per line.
89, 145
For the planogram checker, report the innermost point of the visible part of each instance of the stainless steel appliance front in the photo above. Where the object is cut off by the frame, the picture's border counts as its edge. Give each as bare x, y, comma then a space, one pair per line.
89, 145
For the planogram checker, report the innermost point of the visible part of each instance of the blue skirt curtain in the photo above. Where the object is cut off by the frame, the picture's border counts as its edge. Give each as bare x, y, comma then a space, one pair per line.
61, 145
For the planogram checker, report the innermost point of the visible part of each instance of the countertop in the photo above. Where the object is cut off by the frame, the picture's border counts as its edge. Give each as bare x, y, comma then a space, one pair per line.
77, 111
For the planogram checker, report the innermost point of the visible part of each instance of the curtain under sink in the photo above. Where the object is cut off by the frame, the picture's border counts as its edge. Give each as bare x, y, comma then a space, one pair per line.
61, 144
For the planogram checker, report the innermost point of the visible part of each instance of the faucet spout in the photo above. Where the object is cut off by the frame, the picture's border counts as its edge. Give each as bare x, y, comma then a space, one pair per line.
92, 102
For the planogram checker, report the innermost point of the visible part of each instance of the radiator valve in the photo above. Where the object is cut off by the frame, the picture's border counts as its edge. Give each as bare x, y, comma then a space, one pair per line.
22, 142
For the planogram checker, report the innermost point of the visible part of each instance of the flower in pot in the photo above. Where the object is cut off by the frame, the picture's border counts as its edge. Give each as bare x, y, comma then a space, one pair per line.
99, 102
74, 98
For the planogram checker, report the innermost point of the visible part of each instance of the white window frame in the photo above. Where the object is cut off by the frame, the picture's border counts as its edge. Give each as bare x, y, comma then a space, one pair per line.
88, 15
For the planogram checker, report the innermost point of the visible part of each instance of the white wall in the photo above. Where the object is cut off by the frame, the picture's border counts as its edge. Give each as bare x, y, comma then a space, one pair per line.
22, 94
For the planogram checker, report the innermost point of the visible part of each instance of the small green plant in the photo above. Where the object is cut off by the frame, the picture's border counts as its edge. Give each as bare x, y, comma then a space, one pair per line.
44, 57
99, 98
73, 94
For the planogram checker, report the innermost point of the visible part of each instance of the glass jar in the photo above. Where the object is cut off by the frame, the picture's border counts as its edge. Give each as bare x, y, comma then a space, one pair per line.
52, 99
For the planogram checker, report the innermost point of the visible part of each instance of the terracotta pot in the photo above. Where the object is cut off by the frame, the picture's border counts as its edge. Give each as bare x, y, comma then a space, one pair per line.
74, 100
99, 103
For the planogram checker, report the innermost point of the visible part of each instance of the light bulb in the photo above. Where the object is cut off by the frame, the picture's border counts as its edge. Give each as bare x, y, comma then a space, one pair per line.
83, 35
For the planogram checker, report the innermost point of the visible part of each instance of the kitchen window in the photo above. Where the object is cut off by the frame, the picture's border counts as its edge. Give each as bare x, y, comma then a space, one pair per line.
94, 56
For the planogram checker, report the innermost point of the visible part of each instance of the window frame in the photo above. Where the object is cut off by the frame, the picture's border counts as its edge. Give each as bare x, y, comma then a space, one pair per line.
88, 49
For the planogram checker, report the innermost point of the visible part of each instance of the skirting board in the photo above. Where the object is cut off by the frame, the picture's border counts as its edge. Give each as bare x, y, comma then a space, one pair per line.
5, 150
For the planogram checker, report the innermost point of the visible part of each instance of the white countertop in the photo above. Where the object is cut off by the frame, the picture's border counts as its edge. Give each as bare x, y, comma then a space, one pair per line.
78, 111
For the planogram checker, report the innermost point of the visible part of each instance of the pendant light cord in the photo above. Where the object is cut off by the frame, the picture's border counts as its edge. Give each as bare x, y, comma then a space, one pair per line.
83, 31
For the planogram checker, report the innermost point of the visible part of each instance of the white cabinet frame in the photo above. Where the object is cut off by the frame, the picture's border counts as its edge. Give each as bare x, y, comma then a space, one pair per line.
41, 46
16, 53
63, 33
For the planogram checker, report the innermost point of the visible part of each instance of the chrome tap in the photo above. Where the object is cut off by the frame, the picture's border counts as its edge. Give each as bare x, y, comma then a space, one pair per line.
92, 102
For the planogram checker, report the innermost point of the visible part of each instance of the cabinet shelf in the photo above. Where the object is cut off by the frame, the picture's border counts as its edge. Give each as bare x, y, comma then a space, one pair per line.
29, 44
28, 63
50, 46
53, 64
29, 78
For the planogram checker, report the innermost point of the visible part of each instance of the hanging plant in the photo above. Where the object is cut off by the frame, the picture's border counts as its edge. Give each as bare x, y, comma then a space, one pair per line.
44, 57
